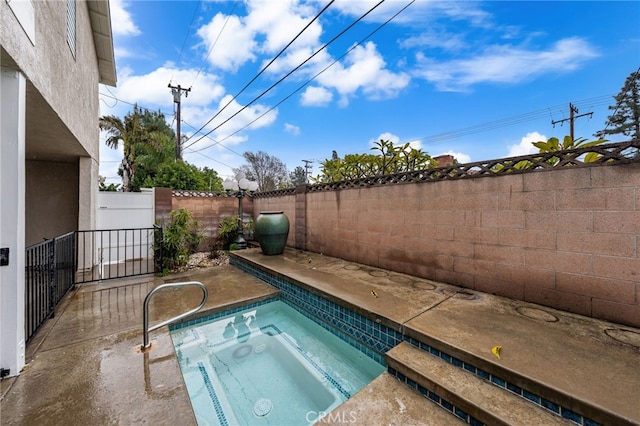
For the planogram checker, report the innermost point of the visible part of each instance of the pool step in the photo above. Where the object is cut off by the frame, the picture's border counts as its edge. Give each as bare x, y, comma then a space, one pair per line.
463, 393
386, 401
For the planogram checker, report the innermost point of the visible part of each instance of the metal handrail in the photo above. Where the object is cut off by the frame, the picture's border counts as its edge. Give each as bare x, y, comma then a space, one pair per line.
145, 324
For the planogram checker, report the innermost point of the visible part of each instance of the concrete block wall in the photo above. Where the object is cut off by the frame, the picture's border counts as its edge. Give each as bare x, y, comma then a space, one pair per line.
208, 210
564, 238
287, 205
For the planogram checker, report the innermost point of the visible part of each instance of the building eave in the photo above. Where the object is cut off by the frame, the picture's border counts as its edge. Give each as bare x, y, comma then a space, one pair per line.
100, 17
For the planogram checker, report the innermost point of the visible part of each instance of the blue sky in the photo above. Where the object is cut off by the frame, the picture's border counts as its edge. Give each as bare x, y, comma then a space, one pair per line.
479, 80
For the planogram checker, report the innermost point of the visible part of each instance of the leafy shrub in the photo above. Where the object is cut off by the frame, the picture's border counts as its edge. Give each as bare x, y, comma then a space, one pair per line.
180, 238
228, 232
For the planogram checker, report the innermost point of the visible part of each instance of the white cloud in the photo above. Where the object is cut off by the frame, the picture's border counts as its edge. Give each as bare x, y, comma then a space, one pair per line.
290, 128
121, 22
525, 146
281, 21
420, 12
505, 64
364, 68
316, 96
461, 157
386, 136
227, 130
435, 39
228, 42
231, 41
395, 139
150, 90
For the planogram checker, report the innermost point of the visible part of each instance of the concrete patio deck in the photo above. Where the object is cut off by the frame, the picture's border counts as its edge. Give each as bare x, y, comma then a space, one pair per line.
85, 366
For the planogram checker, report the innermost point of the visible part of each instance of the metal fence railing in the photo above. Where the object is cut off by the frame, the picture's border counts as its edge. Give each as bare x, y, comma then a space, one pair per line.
115, 253
49, 274
54, 266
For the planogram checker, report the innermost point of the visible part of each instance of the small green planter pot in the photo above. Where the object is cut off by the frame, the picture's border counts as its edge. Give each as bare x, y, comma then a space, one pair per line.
272, 230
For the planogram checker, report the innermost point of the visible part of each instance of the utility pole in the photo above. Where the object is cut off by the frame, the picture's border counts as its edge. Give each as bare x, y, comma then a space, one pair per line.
572, 111
307, 170
177, 95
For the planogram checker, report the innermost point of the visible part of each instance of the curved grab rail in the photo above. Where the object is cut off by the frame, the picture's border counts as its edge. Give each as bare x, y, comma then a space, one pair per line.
147, 329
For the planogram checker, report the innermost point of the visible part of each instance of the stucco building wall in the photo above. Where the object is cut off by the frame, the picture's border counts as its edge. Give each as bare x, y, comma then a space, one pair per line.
50, 164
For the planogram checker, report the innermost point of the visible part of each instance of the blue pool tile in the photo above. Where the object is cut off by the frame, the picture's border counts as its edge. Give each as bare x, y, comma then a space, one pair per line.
470, 368
513, 388
446, 404
550, 406
475, 422
434, 397
482, 374
531, 396
497, 381
456, 362
458, 412
570, 415
589, 422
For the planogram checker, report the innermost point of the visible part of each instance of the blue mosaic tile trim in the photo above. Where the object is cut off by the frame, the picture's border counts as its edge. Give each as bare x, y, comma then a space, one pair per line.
222, 419
504, 384
178, 326
369, 337
456, 411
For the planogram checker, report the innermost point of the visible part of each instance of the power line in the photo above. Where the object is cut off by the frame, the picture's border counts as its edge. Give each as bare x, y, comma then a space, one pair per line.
312, 78
215, 42
213, 159
509, 121
290, 72
215, 143
166, 114
260, 73
186, 37
573, 110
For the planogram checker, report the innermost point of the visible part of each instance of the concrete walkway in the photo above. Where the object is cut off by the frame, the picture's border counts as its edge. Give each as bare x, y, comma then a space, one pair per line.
85, 366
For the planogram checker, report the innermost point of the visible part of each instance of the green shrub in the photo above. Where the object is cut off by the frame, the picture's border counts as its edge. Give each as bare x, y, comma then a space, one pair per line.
180, 238
228, 231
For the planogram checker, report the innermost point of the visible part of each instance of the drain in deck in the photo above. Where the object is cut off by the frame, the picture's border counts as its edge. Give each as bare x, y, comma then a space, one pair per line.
629, 337
537, 314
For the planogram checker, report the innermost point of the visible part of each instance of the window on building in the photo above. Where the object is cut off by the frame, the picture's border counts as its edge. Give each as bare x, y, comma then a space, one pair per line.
71, 26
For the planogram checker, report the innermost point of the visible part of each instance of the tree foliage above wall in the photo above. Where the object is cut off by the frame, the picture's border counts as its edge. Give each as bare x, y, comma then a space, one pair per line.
390, 159
625, 119
268, 171
149, 154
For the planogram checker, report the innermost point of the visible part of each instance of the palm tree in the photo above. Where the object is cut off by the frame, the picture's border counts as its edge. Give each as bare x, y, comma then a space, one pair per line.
135, 137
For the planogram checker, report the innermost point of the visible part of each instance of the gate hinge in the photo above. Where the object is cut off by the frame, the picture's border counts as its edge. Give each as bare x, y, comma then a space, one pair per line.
4, 372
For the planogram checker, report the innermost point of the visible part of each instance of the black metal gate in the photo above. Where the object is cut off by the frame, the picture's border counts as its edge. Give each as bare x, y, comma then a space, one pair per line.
54, 266
116, 253
49, 274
